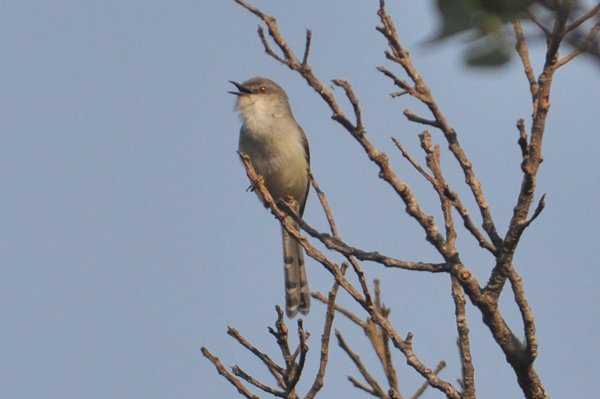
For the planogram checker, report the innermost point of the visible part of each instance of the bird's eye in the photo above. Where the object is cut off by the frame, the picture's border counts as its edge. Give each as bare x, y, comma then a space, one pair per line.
262, 89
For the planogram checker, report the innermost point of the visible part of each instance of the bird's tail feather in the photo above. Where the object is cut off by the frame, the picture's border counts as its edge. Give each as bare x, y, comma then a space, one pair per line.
297, 293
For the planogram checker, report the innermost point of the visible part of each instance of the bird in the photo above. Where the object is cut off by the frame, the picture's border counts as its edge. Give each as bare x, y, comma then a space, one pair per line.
279, 152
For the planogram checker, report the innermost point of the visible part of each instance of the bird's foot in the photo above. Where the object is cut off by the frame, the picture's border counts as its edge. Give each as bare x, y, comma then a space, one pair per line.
259, 181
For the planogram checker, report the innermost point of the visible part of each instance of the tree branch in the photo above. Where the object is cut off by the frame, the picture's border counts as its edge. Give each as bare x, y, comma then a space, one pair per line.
402, 57
419, 392
581, 47
228, 376
375, 388
523, 51
273, 367
464, 346
251, 380
325, 338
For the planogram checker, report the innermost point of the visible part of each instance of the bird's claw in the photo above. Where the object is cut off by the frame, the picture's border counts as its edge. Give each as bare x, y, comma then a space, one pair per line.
259, 181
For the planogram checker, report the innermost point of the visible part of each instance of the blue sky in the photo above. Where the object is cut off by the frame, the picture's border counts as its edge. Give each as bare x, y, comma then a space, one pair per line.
128, 239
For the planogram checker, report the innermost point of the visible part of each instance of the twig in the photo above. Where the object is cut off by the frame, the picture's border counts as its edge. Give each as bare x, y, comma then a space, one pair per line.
451, 195
307, 48
351, 316
358, 129
273, 367
362, 280
265, 43
464, 346
351, 259
532, 162
406, 88
280, 332
538, 210
581, 47
533, 18
526, 314
376, 388
251, 380
344, 249
588, 15
325, 338
423, 94
402, 57
386, 356
228, 376
325, 206
425, 385
432, 157
523, 52
411, 116
297, 368
357, 384
413, 161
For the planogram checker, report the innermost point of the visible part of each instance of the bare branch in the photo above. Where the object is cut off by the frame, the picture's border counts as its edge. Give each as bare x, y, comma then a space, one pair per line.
441, 187
362, 280
281, 336
267, 47
523, 52
251, 380
348, 251
329, 316
307, 48
228, 376
532, 162
526, 313
582, 46
452, 196
402, 57
386, 353
464, 346
375, 388
538, 210
357, 384
302, 349
413, 162
588, 15
425, 385
411, 116
325, 206
358, 129
406, 88
405, 346
273, 367
351, 316
533, 18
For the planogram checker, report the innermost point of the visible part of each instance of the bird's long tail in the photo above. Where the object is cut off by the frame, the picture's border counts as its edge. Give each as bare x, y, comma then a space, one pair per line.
297, 293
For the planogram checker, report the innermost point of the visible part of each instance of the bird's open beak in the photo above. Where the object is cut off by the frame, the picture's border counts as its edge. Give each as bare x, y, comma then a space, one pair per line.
242, 89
